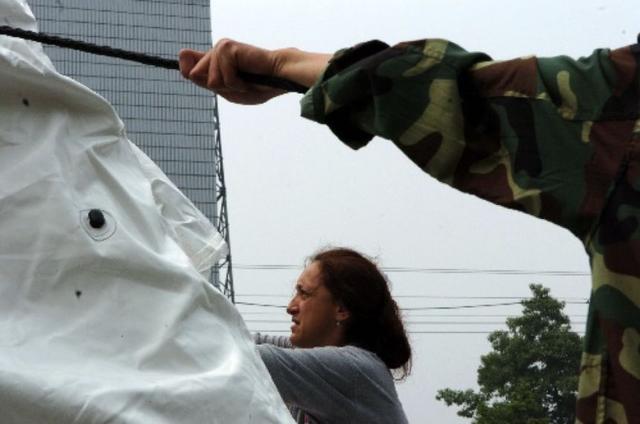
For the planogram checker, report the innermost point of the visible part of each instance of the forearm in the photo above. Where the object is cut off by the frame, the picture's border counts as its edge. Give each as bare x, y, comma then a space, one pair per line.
279, 341
309, 379
220, 68
300, 66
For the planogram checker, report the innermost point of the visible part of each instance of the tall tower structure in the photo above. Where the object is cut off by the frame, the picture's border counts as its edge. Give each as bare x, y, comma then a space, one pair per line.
175, 123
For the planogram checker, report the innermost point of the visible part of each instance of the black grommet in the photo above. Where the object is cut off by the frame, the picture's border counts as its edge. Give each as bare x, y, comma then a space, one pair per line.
96, 218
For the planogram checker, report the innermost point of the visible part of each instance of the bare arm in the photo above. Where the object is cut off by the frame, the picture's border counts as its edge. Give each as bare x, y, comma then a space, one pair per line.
217, 69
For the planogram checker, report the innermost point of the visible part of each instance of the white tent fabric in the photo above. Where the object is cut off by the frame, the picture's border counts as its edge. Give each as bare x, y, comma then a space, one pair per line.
112, 324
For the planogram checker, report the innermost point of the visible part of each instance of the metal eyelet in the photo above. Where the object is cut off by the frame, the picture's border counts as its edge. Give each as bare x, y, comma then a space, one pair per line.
97, 223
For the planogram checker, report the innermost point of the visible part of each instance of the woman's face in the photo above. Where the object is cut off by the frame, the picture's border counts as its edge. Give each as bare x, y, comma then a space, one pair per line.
314, 312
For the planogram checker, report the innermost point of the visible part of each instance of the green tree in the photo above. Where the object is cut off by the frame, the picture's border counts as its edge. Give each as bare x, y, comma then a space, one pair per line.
531, 376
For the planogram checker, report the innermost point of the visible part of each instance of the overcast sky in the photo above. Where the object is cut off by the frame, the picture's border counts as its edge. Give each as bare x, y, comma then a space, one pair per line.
292, 187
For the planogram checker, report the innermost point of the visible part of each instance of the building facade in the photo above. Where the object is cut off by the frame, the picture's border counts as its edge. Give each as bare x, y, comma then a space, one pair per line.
171, 120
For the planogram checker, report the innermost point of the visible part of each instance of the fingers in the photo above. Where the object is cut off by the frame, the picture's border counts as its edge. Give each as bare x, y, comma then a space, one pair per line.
187, 59
218, 69
194, 66
204, 71
224, 61
227, 65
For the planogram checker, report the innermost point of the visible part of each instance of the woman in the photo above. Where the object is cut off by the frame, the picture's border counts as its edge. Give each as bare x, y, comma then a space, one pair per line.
348, 338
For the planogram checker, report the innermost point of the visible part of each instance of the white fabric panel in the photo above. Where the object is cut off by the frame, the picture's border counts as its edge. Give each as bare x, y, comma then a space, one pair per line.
116, 324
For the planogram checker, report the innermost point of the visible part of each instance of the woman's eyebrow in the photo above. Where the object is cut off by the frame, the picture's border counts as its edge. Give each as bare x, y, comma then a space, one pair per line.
300, 288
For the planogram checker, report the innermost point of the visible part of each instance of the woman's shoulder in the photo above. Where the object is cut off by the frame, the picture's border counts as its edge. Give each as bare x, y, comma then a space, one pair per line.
360, 358
360, 353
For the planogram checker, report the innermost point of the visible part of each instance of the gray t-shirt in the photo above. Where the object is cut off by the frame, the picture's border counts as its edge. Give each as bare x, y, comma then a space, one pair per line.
332, 385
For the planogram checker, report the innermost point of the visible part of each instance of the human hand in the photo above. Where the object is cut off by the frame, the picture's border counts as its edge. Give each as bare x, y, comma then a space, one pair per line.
218, 69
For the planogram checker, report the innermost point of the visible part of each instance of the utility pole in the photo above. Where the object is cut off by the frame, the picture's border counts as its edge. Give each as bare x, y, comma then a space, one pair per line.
222, 276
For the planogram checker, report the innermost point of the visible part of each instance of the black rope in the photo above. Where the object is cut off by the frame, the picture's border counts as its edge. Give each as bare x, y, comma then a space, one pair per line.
145, 59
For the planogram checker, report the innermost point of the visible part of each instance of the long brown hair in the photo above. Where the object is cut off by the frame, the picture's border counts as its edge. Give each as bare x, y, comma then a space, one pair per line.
374, 323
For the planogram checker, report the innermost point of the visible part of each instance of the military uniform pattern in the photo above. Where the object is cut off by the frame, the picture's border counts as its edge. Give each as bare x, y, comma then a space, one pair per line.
556, 138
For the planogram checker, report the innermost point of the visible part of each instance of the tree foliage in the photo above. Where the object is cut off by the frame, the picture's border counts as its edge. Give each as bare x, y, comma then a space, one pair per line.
531, 375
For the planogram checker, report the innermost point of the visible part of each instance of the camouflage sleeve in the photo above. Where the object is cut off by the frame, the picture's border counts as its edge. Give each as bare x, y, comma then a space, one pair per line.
520, 133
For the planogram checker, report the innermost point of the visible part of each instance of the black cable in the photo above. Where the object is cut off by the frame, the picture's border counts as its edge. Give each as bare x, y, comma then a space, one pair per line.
145, 59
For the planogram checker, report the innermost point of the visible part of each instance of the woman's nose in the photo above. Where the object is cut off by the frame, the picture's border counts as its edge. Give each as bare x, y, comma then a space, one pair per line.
292, 307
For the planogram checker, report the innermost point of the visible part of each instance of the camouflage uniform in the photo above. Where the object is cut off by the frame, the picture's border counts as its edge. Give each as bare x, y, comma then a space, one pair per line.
553, 137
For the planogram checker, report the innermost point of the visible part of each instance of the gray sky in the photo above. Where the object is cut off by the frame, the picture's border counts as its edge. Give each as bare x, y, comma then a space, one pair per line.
292, 187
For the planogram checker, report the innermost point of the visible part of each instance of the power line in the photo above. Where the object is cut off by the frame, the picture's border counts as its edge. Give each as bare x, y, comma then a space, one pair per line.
404, 269
273, 321
483, 305
416, 308
267, 331
425, 315
409, 332
473, 315
420, 296
264, 305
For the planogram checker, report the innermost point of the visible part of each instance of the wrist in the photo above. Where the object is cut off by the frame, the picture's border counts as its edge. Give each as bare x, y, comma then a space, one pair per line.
300, 66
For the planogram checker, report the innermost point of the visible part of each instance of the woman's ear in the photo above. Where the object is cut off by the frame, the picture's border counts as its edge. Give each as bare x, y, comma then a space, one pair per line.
342, 313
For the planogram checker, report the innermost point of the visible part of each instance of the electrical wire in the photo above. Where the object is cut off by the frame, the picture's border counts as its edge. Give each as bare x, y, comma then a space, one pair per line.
419, 296
418, 308
400, 269
273, 321
267, 331
413, 315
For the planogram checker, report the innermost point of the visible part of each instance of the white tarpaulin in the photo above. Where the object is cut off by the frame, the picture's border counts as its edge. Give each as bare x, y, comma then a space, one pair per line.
110, 319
